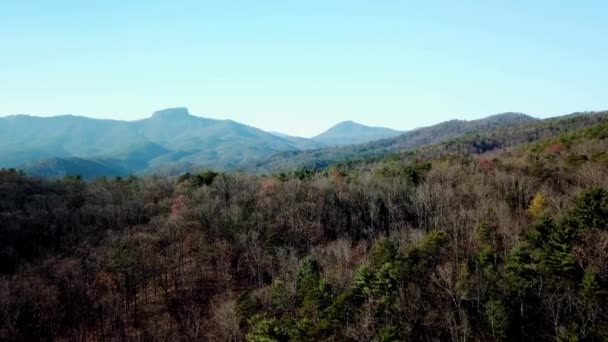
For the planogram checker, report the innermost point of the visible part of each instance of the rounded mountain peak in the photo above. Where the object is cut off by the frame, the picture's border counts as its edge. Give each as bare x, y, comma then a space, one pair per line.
347, 123
172, 113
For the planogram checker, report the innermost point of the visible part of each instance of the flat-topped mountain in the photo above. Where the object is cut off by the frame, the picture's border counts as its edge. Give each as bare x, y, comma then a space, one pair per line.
170, 136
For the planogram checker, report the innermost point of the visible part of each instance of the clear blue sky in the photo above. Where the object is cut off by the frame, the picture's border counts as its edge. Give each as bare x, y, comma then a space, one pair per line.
301, 66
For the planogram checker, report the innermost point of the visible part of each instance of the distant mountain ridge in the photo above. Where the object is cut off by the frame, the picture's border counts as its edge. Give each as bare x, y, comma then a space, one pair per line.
300, 142
407, 140
170, 136
173, 141
343, 133
454, 136
350, 132
60, 167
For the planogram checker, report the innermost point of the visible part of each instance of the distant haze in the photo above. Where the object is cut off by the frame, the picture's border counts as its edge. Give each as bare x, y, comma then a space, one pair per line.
171, 139
298, 67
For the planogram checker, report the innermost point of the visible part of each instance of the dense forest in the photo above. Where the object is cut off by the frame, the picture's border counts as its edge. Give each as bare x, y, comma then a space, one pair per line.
485, 237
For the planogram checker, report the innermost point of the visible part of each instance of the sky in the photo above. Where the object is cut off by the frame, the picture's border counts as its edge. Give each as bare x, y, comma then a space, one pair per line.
299, 67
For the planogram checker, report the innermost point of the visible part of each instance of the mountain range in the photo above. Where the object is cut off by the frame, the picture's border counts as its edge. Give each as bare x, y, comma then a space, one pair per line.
173, 141
319, 158
170, 140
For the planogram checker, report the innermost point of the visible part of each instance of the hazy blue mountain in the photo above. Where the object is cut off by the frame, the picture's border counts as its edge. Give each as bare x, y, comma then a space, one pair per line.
139, 156
349, 132
299, 142
170, 136
172, 141
87, 168
26, 138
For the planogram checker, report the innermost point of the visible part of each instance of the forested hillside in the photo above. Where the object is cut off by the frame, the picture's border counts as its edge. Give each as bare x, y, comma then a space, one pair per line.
490, 236
320, 158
